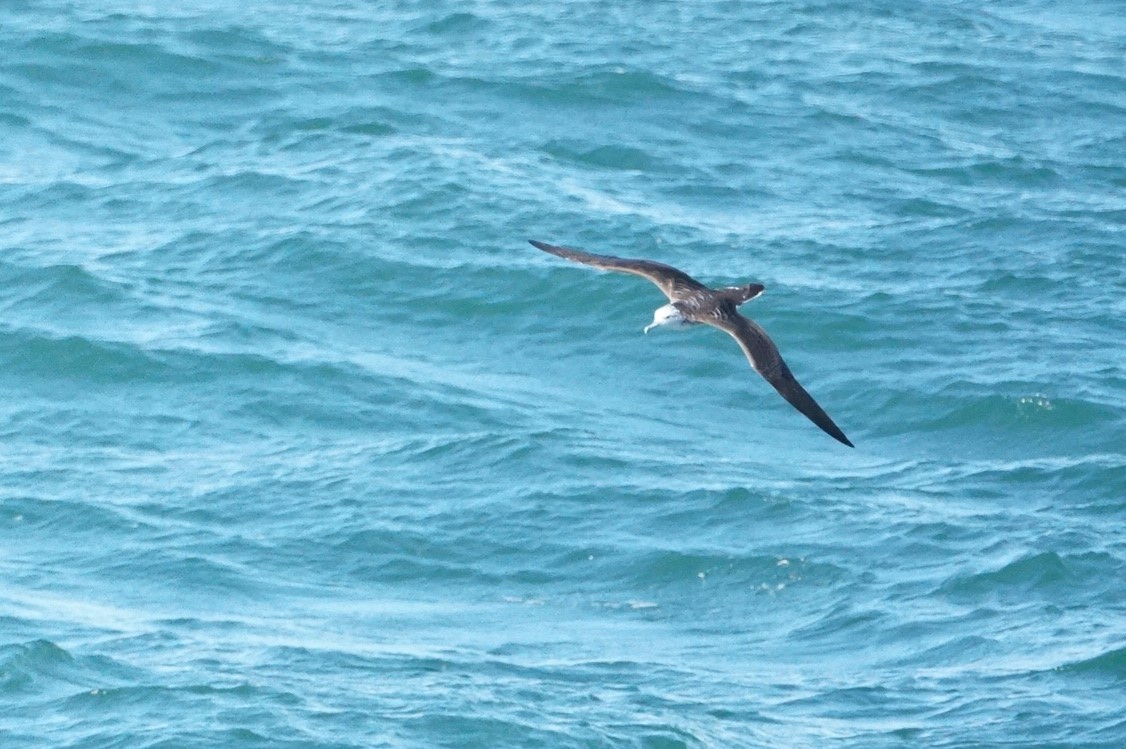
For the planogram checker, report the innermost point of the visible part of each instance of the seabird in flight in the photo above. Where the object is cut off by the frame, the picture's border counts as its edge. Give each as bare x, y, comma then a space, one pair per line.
691, 303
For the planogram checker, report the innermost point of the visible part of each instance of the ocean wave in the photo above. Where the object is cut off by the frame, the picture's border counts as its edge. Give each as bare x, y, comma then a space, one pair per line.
604, 85
970, 406
72, 357
1031, 576
605, 157
55, 286
27, 666
454, 24
240, 44
71, 59
1110, 663
41, 668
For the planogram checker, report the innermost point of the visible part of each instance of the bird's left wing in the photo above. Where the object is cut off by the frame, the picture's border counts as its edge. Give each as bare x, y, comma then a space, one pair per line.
672, 282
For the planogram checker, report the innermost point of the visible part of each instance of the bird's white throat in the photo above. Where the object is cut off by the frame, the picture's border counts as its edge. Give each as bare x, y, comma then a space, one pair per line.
669, 316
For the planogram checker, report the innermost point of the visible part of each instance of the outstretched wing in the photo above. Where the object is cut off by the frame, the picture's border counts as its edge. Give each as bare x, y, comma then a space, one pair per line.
672, 282
765, 359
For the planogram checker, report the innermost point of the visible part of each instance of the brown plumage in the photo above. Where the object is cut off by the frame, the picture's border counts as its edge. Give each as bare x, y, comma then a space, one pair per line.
693, 303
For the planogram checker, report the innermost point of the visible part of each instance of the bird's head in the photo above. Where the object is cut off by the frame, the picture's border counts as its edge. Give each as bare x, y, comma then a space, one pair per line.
667, 315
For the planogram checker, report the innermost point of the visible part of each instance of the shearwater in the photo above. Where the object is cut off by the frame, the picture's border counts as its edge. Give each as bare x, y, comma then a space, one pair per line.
693, 303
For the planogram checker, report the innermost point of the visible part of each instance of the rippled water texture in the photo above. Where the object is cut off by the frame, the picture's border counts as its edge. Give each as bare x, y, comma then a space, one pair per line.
303, 445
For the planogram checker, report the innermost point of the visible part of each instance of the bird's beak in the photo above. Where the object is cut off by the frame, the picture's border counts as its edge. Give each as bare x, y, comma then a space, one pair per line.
646, 329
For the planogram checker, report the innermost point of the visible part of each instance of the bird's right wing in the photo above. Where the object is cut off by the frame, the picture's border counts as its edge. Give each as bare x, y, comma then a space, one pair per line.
765, 359
669, 280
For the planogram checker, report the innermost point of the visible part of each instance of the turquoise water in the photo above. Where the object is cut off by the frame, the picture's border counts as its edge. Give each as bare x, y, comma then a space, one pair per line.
303, 445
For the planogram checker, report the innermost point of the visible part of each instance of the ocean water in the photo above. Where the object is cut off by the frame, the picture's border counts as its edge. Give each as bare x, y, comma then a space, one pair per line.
303, 445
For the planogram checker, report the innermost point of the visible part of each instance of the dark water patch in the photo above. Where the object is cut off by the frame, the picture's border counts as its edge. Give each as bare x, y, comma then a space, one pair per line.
245, 335
25, 667
842, 622
227, 366
1045, 575
667, 737
56, 57
707, 192
605, 157
1042, 288
454, 24
848, 703
56, 285
126, 696
1043, 485
456, 729
83, 359
709, 575
403, 554
254, 184
145, 59
60, 192
963, 406
32, 516
312, 124
240, 383
624, 83
318, 393
370, 127
608, 86
308, 657
390, 569
674, 567
409, 76
474, 451
233, 97
262, 272
195, 576
75, 358
968, 88
42, 667
9, 119
443, 555
321, 133
437, 199
1111, 663
239, 45
112, 67
1098, 92
1015, 170
919, 207
936, 540
714, 509
1100, 487
954, 650
102, 710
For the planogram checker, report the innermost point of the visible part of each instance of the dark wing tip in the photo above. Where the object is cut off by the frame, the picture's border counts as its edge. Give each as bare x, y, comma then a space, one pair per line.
800, 399
567, 253
818, 416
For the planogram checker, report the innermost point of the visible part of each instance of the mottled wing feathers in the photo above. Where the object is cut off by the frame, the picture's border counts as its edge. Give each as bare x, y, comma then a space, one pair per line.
765, 359
672, 282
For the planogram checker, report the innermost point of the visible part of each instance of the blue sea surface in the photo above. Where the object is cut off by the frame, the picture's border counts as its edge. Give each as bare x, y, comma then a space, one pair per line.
303, 445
